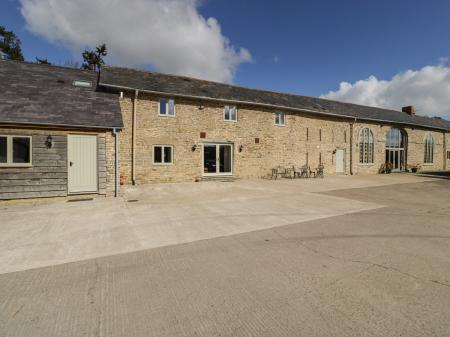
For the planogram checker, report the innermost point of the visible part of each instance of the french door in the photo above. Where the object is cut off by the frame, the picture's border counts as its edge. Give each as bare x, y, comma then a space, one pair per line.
217, 159
397, 158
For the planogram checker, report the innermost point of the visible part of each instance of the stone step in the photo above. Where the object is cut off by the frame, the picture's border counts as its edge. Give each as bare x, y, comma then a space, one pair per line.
217, 178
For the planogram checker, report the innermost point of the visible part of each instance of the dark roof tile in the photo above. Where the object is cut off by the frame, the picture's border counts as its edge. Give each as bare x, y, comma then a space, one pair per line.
43, 94
185, 86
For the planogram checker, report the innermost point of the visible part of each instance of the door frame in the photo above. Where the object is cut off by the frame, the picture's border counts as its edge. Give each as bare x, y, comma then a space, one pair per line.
96, 162
217, 144
344, 160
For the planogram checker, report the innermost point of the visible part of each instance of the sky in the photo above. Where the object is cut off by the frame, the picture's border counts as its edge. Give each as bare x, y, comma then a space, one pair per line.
381, 53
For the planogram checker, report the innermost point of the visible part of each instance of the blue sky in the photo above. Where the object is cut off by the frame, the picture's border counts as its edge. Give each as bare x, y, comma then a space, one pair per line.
305, 47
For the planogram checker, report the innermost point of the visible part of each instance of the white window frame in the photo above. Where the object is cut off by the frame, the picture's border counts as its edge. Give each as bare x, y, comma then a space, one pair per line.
428, 155
9, 152
281, 113
167, 107
229, 108
366, 147
162, 146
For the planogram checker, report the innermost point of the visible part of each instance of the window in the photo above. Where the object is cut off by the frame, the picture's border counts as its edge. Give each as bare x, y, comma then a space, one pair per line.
429, 149
15, 150
162, 154
366, 146
320, 134
448, 154
280, 118
166, 107
230, 113
307, 134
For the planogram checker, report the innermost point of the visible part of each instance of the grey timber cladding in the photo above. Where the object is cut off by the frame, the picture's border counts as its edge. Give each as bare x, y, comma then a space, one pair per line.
179, 85
47, 177
45, 95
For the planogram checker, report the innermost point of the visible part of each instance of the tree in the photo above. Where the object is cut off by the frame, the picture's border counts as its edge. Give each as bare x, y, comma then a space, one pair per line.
93, 60
42, 61
10, 44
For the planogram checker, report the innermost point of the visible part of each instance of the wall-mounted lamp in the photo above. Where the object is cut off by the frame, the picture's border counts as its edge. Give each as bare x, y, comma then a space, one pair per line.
194, 147
49, 142
241, 148
201, 107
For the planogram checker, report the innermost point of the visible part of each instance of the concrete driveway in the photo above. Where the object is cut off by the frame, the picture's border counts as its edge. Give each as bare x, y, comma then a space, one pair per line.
42, 234
382, 270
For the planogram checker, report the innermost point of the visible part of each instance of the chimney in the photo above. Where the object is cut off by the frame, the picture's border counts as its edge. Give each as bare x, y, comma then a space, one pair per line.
410, 110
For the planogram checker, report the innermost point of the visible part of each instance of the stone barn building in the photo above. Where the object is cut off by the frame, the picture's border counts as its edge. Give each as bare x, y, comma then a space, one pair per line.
184, 129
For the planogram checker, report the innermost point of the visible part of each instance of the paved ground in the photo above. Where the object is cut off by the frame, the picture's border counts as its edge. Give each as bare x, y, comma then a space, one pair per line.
40, 235
376, 271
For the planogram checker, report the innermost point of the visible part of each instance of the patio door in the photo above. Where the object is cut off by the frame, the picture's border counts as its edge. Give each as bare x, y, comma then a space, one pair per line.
217, 159
397, 158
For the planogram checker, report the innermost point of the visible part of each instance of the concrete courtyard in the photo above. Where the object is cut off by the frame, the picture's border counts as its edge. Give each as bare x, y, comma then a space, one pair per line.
342, 256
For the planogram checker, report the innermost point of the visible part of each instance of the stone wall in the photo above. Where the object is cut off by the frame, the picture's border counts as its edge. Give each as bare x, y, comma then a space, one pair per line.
415, 148
304, 139
47, 176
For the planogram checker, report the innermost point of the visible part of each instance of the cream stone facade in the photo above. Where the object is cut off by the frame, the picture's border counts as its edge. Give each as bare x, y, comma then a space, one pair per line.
258, 145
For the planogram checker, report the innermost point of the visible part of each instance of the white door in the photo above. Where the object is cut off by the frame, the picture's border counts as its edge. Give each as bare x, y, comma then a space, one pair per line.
340, 167
82, 163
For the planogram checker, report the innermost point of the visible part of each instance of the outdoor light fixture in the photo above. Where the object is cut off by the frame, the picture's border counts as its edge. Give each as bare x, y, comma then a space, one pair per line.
241, 148
201, 107
49, 142
194, 147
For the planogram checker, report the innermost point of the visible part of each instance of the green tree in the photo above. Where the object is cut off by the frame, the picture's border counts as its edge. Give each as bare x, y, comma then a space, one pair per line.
93, 60
10, 44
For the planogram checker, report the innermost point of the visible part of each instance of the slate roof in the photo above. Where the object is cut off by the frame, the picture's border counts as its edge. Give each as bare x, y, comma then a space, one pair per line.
125, 78
37, 94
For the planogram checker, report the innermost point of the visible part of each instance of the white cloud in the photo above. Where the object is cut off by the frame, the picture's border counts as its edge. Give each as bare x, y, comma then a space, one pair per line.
428, 89
169, 35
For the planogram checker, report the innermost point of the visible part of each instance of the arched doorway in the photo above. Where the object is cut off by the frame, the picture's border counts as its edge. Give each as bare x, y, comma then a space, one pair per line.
396, 149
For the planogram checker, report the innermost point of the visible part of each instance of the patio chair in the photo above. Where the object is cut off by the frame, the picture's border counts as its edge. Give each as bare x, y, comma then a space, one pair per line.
290, 172
278, 172
304, 171
319, 172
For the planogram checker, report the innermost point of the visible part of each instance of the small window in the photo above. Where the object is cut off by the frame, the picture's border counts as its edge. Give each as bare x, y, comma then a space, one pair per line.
162, 154
15, 150
166, 107
448, 154
280, 118
230, 113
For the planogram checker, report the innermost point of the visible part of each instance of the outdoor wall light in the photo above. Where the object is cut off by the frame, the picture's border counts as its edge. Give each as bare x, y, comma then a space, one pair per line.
201, 107
49, 142
194, 147
241, 148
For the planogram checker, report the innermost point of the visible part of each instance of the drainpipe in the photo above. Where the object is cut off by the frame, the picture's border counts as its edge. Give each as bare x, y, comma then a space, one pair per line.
116, 159
351, 146
445, 150
133, 139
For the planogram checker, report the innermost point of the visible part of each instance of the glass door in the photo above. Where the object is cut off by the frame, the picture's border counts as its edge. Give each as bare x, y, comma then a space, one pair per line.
217, 159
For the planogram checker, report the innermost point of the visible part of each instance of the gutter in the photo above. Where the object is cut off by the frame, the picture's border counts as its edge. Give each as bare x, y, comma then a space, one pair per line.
270, 106
28, 124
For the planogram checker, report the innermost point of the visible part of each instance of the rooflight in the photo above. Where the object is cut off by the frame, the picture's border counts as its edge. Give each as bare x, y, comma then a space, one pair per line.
83, 84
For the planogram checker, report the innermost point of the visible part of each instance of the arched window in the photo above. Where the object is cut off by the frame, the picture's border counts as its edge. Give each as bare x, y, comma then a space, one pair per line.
366, 146
429, 149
